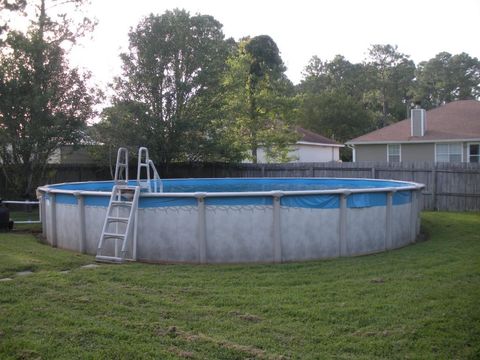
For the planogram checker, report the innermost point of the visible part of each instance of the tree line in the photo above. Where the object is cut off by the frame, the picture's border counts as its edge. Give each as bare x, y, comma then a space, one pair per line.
190, 94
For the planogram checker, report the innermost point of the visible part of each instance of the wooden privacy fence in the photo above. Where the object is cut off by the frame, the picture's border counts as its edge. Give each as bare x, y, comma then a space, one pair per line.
449, 187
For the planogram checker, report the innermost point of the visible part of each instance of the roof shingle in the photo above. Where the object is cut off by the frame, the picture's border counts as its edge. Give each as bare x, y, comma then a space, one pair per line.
310, 136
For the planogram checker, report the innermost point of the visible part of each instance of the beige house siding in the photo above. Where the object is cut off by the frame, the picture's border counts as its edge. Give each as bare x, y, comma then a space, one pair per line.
418, 152
305, 153
68, 154
371, 152
408, 152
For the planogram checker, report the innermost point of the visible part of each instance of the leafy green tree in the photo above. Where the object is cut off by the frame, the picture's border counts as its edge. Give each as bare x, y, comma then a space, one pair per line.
169, 92
12, 5
336, 75
332, 97
391, 75
336, 115
9, 6
259, 100
43, 103
447, 78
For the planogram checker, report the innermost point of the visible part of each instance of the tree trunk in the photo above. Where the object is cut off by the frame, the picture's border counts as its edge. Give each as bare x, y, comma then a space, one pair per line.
253, 119
253, 149
383, 119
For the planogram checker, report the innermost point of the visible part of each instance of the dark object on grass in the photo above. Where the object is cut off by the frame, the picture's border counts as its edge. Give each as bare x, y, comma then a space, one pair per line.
5, 223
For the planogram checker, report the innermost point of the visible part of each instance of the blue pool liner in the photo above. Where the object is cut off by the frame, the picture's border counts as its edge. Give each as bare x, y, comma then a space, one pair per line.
318, 201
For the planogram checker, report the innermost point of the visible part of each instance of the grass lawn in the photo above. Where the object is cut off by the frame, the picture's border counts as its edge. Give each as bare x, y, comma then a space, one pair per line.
419, 302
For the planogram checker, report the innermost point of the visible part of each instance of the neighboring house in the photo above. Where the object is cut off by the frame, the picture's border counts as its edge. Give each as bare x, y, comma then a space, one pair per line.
449, 133
69, 154
311, 147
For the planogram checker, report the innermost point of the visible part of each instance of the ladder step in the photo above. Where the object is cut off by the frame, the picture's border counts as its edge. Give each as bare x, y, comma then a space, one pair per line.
125, 189
117, 219
113, 235
109, 259
122, 203
122, 196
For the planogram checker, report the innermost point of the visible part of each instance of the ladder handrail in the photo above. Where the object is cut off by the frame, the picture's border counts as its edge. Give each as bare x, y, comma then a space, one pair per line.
121, 165
105, 223
144, 161
143, 153
157, 183
131, 219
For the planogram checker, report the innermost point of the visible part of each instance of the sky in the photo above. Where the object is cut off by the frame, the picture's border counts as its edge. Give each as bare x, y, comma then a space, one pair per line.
300, 28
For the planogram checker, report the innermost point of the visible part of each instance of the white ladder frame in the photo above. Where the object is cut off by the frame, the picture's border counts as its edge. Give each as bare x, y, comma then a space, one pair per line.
157, 182
144, 162
116, 201
143, 154
122, 153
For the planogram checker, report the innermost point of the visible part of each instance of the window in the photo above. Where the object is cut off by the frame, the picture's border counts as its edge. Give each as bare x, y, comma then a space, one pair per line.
448, 152
474, 153
393, 153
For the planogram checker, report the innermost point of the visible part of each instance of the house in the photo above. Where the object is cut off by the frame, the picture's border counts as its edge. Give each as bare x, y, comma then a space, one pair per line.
449, 133
69, 154
311, 147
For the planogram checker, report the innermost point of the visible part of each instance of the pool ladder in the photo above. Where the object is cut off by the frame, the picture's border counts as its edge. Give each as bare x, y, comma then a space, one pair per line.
122, 209
121, 214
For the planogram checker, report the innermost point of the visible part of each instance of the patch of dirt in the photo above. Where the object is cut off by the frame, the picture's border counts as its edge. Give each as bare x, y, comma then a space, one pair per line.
84, 299
24, 273
377, 281
247, 317
90, 266
383, 333
181, 353
250, 351
171, 331
36, 232
423, 236
28, 355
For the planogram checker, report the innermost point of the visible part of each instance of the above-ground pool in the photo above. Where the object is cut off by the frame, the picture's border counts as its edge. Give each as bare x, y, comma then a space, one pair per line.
238, 220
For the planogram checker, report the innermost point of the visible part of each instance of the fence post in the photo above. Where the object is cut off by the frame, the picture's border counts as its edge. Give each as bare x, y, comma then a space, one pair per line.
374, 173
